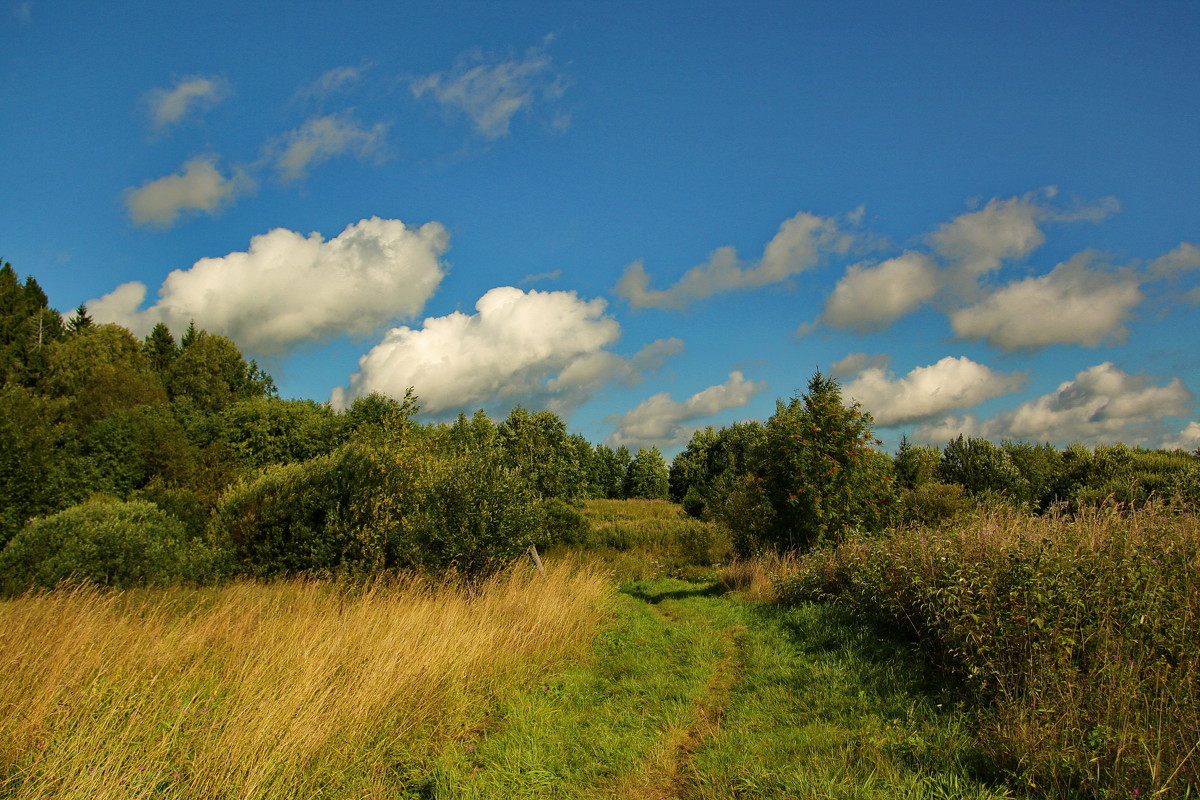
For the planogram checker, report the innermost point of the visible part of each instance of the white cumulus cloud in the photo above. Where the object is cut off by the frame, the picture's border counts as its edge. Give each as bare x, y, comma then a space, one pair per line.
951, 383
491, 93
199, 186
541, 349
288, 289
322, 138
978, 242
798, 245
1102, 404
869, 298
659, 420
1072, 304
169, 106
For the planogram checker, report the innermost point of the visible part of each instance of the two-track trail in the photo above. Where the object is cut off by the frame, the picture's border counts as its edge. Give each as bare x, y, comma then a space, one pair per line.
693, 694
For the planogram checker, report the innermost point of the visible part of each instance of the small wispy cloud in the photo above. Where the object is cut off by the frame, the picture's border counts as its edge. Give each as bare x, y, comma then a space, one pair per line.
188, 95
321, 138
23, 13
660, 420
198, 186
799, 244
491, 92
331, 82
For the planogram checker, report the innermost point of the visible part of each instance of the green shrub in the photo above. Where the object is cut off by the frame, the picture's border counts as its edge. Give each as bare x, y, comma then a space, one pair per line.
119, 544
565, 524
1075, 636
932, 503
379, 503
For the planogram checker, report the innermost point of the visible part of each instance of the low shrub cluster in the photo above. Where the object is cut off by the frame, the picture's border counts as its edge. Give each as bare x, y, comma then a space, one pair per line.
1076, 637
113, 543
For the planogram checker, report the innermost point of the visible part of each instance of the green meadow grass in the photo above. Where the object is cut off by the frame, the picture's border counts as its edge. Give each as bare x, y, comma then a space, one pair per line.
692, 693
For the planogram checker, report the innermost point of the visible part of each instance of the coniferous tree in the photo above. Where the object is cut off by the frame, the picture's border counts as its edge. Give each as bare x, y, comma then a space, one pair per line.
81, 320
159, 348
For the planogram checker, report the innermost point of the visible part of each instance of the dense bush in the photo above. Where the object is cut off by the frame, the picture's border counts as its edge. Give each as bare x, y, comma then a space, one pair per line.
1076, 636
108, 543
381, 502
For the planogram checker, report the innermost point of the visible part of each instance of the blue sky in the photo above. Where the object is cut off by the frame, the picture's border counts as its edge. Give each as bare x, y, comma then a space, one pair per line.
983, 218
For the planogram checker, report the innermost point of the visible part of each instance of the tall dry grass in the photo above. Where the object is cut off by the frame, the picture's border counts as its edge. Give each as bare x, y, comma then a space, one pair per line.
283, 690
1079, 637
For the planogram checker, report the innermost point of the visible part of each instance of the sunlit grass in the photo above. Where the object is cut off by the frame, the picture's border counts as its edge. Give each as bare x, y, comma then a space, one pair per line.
294, 689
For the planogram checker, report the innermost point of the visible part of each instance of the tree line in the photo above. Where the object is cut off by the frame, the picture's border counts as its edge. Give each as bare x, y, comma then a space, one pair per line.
112, 447
126, 460
812, 473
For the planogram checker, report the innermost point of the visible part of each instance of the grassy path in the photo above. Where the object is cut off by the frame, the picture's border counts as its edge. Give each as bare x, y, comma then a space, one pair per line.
691, 694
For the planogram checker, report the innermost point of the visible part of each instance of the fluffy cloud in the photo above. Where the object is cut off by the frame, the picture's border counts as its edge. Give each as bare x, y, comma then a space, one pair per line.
868, 298
491, 94
976, 243
200, 186
322, 138
169, 106
798, 245
543, 349
1187, 439
287, 289
1102, 404
659, 420
925, 392
1072, 304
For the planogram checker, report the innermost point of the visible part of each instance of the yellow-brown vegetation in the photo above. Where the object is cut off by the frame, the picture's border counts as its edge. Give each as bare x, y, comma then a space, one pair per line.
253, 690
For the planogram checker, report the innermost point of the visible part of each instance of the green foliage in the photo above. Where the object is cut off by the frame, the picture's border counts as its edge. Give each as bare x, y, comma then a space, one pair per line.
266, 430
713, 466
80, 320
610, 468
27, 326
210, 373
537, 447
108, 543
100, 370
159, 348
981, 468
380, 503
39, 469
564, 524
916, 465
377, 413
1075, 636
820, 474
132, 447
647, 478
932, 503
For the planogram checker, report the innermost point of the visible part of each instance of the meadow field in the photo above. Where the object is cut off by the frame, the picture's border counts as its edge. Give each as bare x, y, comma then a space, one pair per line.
995, 656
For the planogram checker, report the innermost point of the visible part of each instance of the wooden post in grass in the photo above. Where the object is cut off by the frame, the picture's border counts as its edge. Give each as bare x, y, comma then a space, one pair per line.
537, 560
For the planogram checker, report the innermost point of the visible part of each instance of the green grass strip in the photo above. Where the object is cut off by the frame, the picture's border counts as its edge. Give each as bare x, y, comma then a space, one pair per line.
691, 694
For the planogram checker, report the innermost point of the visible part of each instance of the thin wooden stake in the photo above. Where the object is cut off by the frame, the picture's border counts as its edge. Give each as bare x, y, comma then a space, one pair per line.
536, 558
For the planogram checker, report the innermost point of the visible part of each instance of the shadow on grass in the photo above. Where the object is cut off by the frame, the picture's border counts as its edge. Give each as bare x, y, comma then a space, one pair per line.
653, 592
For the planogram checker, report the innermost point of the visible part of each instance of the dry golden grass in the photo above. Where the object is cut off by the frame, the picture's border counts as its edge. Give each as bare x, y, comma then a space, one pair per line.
253, 690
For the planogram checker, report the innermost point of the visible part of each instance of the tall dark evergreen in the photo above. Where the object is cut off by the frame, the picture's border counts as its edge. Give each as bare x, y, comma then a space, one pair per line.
81, 320
159, 348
